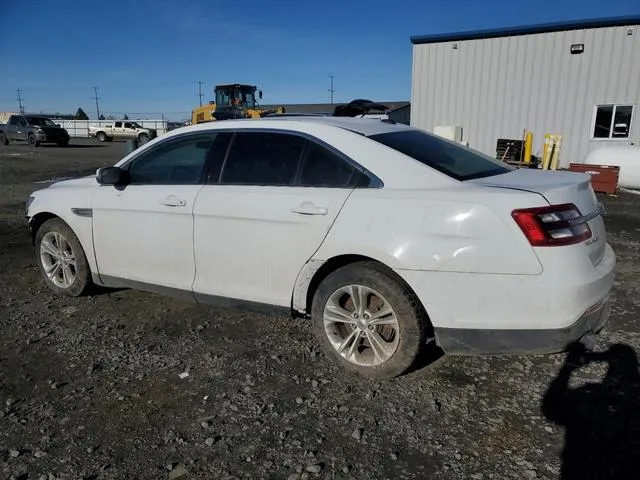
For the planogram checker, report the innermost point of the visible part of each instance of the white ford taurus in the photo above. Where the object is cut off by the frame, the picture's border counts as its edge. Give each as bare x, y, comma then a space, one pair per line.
386, 236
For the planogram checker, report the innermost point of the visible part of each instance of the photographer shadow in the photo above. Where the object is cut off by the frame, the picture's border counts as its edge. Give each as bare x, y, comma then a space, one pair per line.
601, 419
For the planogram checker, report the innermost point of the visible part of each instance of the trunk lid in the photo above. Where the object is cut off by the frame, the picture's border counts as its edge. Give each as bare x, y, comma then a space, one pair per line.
559, 188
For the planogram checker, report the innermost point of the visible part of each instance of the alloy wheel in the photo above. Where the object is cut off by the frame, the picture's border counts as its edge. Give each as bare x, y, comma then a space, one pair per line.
58, 259
361, 325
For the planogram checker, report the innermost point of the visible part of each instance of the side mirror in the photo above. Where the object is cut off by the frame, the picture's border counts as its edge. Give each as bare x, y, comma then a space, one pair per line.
111, 176
58, 125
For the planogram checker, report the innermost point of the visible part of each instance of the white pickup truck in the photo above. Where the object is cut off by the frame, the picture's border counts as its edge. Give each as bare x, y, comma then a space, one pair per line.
122, 130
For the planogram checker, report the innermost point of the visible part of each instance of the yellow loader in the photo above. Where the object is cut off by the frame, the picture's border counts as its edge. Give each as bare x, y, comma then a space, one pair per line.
232, 101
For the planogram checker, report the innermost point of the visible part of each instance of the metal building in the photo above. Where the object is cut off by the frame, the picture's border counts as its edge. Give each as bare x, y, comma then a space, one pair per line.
577, 79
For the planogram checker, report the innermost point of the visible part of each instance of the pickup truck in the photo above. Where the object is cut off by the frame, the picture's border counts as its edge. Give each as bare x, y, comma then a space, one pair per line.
122, 130
33, 130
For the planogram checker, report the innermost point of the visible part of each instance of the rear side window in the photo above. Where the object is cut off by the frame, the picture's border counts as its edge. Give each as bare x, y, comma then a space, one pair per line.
323, 168
447, 157
262, 158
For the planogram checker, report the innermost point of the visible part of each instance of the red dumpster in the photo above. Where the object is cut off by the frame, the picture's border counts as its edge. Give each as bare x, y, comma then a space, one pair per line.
604, 178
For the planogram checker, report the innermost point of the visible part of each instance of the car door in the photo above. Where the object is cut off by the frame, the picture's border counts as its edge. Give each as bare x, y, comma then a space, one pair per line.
19, 129
128, 130
143, 232
12, 128
118, 131
278, 195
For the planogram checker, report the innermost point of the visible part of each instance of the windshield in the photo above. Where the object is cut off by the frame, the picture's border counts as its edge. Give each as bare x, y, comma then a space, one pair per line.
454, 160
235, 97
42, 122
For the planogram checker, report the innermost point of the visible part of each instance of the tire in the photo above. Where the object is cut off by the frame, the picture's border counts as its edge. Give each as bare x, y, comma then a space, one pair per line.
54, 237
143, 138
3, 139
32, 140
403, 345
101, 136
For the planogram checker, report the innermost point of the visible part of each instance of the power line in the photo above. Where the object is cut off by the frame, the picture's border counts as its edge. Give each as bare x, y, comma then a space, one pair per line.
331, 90
95, 97
200, 92
20, 101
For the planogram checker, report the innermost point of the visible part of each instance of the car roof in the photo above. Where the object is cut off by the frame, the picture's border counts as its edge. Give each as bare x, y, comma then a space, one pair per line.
362, 126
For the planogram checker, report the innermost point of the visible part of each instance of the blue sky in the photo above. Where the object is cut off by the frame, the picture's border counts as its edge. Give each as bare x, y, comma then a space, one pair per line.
147, 56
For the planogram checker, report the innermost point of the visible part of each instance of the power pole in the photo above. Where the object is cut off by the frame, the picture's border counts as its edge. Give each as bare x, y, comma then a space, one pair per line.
331, 90
200, 91
20, 101
95, 97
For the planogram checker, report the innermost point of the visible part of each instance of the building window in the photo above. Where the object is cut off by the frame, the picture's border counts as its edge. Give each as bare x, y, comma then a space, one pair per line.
612, 121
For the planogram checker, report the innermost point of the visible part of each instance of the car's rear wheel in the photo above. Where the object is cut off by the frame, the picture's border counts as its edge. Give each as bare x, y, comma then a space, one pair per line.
101, 136
3, 139
61, 259
368, 320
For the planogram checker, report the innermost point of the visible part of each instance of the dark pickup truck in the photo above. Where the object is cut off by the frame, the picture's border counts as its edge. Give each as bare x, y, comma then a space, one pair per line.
34, 130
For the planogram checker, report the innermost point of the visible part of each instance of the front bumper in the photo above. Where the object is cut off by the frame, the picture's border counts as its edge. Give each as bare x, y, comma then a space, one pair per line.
459, 341
52, 137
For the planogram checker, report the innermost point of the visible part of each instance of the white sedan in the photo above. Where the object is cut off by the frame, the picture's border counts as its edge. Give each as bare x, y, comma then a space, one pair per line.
386, 236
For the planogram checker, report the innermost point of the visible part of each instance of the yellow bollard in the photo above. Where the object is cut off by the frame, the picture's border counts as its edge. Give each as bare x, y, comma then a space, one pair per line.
528, 146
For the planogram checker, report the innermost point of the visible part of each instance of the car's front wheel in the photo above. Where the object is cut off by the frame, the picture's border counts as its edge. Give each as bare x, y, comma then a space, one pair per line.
368, 320
61, 259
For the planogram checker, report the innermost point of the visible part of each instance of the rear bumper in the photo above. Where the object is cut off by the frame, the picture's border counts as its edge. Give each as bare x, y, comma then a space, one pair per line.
480, 313
527, 341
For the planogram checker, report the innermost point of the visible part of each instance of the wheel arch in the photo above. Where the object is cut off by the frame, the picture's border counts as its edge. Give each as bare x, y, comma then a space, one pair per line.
38, 220
314, 273
82, 229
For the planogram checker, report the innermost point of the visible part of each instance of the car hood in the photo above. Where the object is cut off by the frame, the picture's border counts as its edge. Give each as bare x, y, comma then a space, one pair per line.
73, 182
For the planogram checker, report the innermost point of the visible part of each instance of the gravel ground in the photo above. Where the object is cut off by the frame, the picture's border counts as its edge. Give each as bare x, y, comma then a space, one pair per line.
127, 384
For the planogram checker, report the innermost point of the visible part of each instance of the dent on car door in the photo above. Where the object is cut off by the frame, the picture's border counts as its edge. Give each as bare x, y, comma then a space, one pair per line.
143, 232
266, 213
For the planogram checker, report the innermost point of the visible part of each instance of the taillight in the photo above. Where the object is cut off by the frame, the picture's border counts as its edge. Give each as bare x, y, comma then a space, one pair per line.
554, 225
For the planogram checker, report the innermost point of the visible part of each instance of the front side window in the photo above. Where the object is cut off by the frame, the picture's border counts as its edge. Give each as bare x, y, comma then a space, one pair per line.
262, 158
612, 121
447, 157
128, 125
179, 161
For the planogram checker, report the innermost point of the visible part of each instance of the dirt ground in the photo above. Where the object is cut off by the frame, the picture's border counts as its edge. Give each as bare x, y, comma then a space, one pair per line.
90, 388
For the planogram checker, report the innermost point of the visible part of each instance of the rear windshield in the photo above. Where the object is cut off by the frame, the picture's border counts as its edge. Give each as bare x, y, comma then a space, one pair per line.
447, 157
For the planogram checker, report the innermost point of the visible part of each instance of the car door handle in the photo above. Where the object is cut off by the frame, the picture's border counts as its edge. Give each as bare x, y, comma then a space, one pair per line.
173, 201
308, 208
